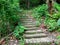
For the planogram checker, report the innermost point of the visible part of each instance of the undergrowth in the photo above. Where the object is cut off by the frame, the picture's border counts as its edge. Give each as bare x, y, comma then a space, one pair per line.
51, 21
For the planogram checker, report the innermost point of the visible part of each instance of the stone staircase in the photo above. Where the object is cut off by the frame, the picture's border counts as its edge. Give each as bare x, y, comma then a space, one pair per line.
34, 35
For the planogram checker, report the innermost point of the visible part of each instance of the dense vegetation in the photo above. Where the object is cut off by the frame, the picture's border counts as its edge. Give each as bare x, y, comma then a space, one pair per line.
51, 21
10, 18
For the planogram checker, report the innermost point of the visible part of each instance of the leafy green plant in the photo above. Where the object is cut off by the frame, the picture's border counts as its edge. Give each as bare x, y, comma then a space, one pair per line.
56, 15
58, 29
58, 37
41, 10
51, 24
57, 6
18, 33
19, 30
51, 21
58, 22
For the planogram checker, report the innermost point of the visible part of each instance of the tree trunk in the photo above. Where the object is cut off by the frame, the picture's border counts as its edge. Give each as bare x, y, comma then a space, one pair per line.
50, 6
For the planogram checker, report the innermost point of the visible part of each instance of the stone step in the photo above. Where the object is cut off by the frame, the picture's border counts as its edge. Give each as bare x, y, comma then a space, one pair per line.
37, 35
28, 21
33, 23
41, 43
33, 31
27, 15
38, 40
29, 24
23, 17
31, 28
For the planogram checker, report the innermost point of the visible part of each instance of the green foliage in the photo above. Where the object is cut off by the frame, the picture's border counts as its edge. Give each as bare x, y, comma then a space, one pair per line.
58, 37
58, 22
18, 32
57, 6
51, 24
40, 11
9, 16
58, 29
56, 15
51, 21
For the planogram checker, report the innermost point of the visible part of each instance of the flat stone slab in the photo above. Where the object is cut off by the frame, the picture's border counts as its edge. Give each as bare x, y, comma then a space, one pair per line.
37, 35
38, 40
32, 28
34, 31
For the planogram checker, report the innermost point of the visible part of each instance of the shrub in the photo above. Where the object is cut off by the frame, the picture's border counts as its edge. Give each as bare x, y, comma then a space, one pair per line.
56, 15
57, 6
51, 24
9, 16
51, 21
41, 10
18, 32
